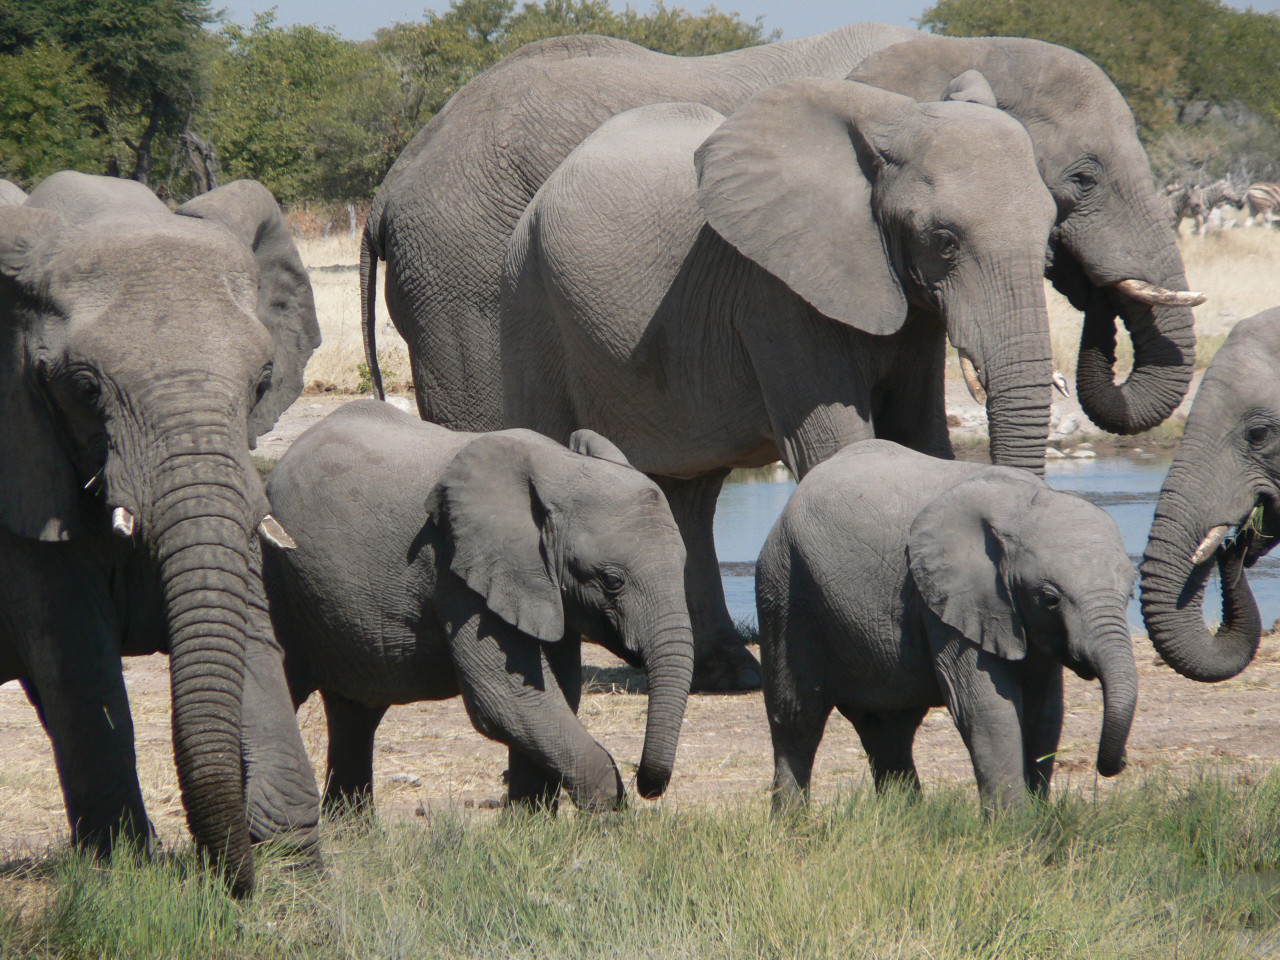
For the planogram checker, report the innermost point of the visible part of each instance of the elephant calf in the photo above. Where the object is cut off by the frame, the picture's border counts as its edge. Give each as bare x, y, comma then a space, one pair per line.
431, 563
894, 582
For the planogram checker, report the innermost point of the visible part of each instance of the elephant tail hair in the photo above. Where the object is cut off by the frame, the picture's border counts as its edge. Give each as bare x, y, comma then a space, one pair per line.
369, 310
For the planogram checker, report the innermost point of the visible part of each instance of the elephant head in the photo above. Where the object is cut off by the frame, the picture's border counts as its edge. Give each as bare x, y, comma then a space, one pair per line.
560, 542
143, 354
869, 205
1007, 561
1113, 252
1226, 474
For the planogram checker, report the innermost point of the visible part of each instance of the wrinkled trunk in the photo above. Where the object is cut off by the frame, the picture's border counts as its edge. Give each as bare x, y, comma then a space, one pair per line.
1173, 590
199, 527
668, 661
1110, 656
1018, 373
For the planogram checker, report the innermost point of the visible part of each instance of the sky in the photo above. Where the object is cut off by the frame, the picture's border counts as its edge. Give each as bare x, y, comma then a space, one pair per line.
796, 18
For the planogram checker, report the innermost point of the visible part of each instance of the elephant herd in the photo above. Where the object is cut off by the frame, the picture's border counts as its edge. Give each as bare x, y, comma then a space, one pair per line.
712, 262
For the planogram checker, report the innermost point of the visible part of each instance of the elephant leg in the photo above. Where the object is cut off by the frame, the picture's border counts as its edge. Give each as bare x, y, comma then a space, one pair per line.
512, 696
887, 736
528, 783
796, 733
720, 659
75, 681
913, 407
984, 695
349, 781
1041, 721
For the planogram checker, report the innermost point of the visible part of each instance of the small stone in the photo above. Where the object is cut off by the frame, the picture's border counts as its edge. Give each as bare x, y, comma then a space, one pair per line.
401, 403
408, 778
1053, 453
1079, 454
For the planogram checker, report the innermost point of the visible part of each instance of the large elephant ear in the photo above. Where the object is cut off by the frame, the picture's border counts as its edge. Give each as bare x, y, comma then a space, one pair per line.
958, 550
285, 303
39, 497
787, 180
591, 444
498, 529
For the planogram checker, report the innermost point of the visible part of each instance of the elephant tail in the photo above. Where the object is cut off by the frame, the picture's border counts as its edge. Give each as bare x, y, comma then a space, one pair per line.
369, 309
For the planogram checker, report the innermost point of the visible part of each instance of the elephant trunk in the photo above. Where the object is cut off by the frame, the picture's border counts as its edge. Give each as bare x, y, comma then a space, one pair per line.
1018, 378
668, 661
200, 526
1109, 655
1164, 340
1173, 580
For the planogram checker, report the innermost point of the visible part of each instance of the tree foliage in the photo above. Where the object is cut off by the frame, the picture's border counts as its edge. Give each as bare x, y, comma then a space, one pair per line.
1168, 57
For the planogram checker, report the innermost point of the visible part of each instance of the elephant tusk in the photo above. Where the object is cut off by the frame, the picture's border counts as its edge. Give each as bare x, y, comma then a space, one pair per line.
271, 531
122, 523
1209, 544
1060, 382
1154, 296
970, 373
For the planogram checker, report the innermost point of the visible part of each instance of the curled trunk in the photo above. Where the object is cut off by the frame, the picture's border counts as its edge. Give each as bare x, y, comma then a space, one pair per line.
1173, 603
668, 660
200, 535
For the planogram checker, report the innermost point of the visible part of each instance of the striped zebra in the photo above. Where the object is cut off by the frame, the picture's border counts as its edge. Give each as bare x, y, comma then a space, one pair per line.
1264, 203
1197, 202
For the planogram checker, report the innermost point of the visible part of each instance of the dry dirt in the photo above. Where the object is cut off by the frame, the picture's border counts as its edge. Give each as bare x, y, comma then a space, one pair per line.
428, 754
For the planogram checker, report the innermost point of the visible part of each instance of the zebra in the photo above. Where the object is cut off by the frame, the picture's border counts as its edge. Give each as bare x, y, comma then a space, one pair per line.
1264, 203
1196, 202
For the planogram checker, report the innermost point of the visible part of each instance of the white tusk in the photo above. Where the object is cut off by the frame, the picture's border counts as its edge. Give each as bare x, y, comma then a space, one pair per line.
276, 535
1209, 544
122, 523
1060, 382
1154, 296
970, 374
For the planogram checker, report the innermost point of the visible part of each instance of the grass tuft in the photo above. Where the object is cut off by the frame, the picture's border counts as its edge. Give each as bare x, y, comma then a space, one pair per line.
1164, 866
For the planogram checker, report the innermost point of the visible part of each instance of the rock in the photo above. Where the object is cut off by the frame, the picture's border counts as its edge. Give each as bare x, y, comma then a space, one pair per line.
1053, 453
408, 778
1068, 425
1079, 454
402, 403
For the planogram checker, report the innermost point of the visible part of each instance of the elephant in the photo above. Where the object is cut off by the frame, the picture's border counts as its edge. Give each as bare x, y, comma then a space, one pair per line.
894, 582
670, 284
444, 214
145, 351
431, 563
1225, 476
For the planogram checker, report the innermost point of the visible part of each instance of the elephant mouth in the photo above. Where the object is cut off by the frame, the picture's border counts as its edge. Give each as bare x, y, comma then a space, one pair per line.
1242, 543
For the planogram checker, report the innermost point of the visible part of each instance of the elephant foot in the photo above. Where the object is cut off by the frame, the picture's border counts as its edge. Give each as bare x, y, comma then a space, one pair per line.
727, 667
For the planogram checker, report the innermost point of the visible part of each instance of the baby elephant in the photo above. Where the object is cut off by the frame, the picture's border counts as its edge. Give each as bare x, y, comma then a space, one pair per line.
431, 563
894, 582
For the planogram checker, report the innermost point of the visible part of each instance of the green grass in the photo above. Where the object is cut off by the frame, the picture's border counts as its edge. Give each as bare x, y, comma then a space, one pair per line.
1163, 867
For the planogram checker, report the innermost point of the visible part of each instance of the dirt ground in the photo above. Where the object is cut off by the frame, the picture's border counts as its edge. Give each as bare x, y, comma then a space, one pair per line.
427, 754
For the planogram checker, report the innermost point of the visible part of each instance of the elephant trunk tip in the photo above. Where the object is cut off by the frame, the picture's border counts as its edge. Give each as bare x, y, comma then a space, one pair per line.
1111, 766
652, 784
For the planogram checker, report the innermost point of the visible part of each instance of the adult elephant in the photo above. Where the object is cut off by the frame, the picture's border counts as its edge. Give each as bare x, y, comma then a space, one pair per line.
708, 292
443, 216
1226, 474
144, 353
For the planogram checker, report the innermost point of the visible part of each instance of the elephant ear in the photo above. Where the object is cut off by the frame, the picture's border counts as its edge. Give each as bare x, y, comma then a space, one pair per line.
591, 444
285, 303
971, 87
499, 531
39, 496
787, 180
958, 552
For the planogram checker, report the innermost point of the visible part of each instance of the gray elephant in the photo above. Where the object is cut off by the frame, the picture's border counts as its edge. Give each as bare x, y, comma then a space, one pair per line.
145, 352
671, 284
431, 563
894, 582
444, 213
1225, 477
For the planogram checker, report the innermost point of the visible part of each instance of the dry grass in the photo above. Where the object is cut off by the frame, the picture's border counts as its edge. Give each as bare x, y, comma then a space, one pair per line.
335, 280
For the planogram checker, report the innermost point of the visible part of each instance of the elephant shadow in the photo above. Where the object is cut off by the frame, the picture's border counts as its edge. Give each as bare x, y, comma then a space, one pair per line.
618, 678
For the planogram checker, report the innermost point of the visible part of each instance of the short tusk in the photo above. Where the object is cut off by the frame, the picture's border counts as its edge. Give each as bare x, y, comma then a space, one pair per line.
276, 535
970, 374
122, 523
1060, 382
1209, 544
1154, 296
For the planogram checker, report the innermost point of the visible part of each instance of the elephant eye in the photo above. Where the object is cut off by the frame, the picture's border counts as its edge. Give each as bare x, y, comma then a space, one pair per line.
84, 389
1050, 598
612, 581
1258, 434
947, 245
264, 384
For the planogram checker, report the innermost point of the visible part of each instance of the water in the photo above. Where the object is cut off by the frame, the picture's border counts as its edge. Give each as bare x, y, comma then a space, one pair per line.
1125, 486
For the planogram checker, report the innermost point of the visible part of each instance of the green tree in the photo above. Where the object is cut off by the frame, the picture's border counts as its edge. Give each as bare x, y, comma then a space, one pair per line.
48, 102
